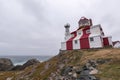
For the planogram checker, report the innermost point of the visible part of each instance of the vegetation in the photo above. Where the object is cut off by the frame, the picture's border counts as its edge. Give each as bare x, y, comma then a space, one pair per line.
107, 71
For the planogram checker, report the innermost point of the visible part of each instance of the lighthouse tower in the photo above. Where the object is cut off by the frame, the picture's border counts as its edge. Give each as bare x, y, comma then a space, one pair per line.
67, 31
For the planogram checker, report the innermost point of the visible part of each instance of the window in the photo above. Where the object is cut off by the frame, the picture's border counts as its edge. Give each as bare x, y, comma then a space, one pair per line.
79, 33
75, 41
87, 31
91, 39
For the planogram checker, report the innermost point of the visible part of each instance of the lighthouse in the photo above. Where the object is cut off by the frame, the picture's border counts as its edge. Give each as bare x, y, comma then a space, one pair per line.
86, 36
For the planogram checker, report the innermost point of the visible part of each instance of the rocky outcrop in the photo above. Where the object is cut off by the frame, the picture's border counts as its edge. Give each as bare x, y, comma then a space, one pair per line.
87, 72
17, 67
28, 63
5, 64
102, 61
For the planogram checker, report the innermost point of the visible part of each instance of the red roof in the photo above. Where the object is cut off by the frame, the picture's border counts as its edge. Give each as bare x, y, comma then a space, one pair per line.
73, 36
115, 42
73, 32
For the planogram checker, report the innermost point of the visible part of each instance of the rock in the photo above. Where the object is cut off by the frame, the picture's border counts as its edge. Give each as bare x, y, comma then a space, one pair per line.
78, 71
93, 70
30, 62
74, 75
10, 78
5, 64
60, 66
84, 72
66, 70
17, 67
75, 72
102, 61
93, 63
88, 71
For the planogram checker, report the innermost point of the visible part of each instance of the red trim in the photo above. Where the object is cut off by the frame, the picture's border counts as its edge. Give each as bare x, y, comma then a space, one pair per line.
69, 44
73, 32
84, 40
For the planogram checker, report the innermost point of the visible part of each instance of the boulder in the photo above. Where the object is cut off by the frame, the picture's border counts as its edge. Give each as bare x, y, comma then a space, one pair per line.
30, 62
5, 64
66, 70
17, 67
102, 61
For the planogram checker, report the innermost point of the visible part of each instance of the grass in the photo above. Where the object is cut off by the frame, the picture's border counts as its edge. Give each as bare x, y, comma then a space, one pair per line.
108, 71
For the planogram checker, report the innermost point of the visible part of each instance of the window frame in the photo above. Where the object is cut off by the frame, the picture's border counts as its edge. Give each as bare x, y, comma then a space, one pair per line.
79, 33
76, 41
91, 39
88, 31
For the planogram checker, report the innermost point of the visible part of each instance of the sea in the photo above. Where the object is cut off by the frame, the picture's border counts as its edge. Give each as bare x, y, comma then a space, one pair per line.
20, 60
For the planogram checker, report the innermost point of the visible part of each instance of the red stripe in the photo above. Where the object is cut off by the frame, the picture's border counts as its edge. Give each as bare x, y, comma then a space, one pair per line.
69, 44
105, 41
84, 40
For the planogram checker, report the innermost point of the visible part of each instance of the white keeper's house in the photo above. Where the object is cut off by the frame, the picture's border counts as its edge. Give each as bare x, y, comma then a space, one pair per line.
86, 36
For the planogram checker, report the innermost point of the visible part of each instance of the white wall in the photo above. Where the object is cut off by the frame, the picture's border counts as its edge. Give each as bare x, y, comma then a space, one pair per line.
95, 30
63, 45
79, 34
67, 37
76, 45
97, 43
96, 34
110, 40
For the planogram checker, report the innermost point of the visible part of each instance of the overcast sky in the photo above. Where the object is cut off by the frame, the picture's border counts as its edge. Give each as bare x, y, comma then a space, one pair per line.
36, 27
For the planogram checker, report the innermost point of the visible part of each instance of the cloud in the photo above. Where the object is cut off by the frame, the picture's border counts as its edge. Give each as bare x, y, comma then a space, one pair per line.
36, 27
